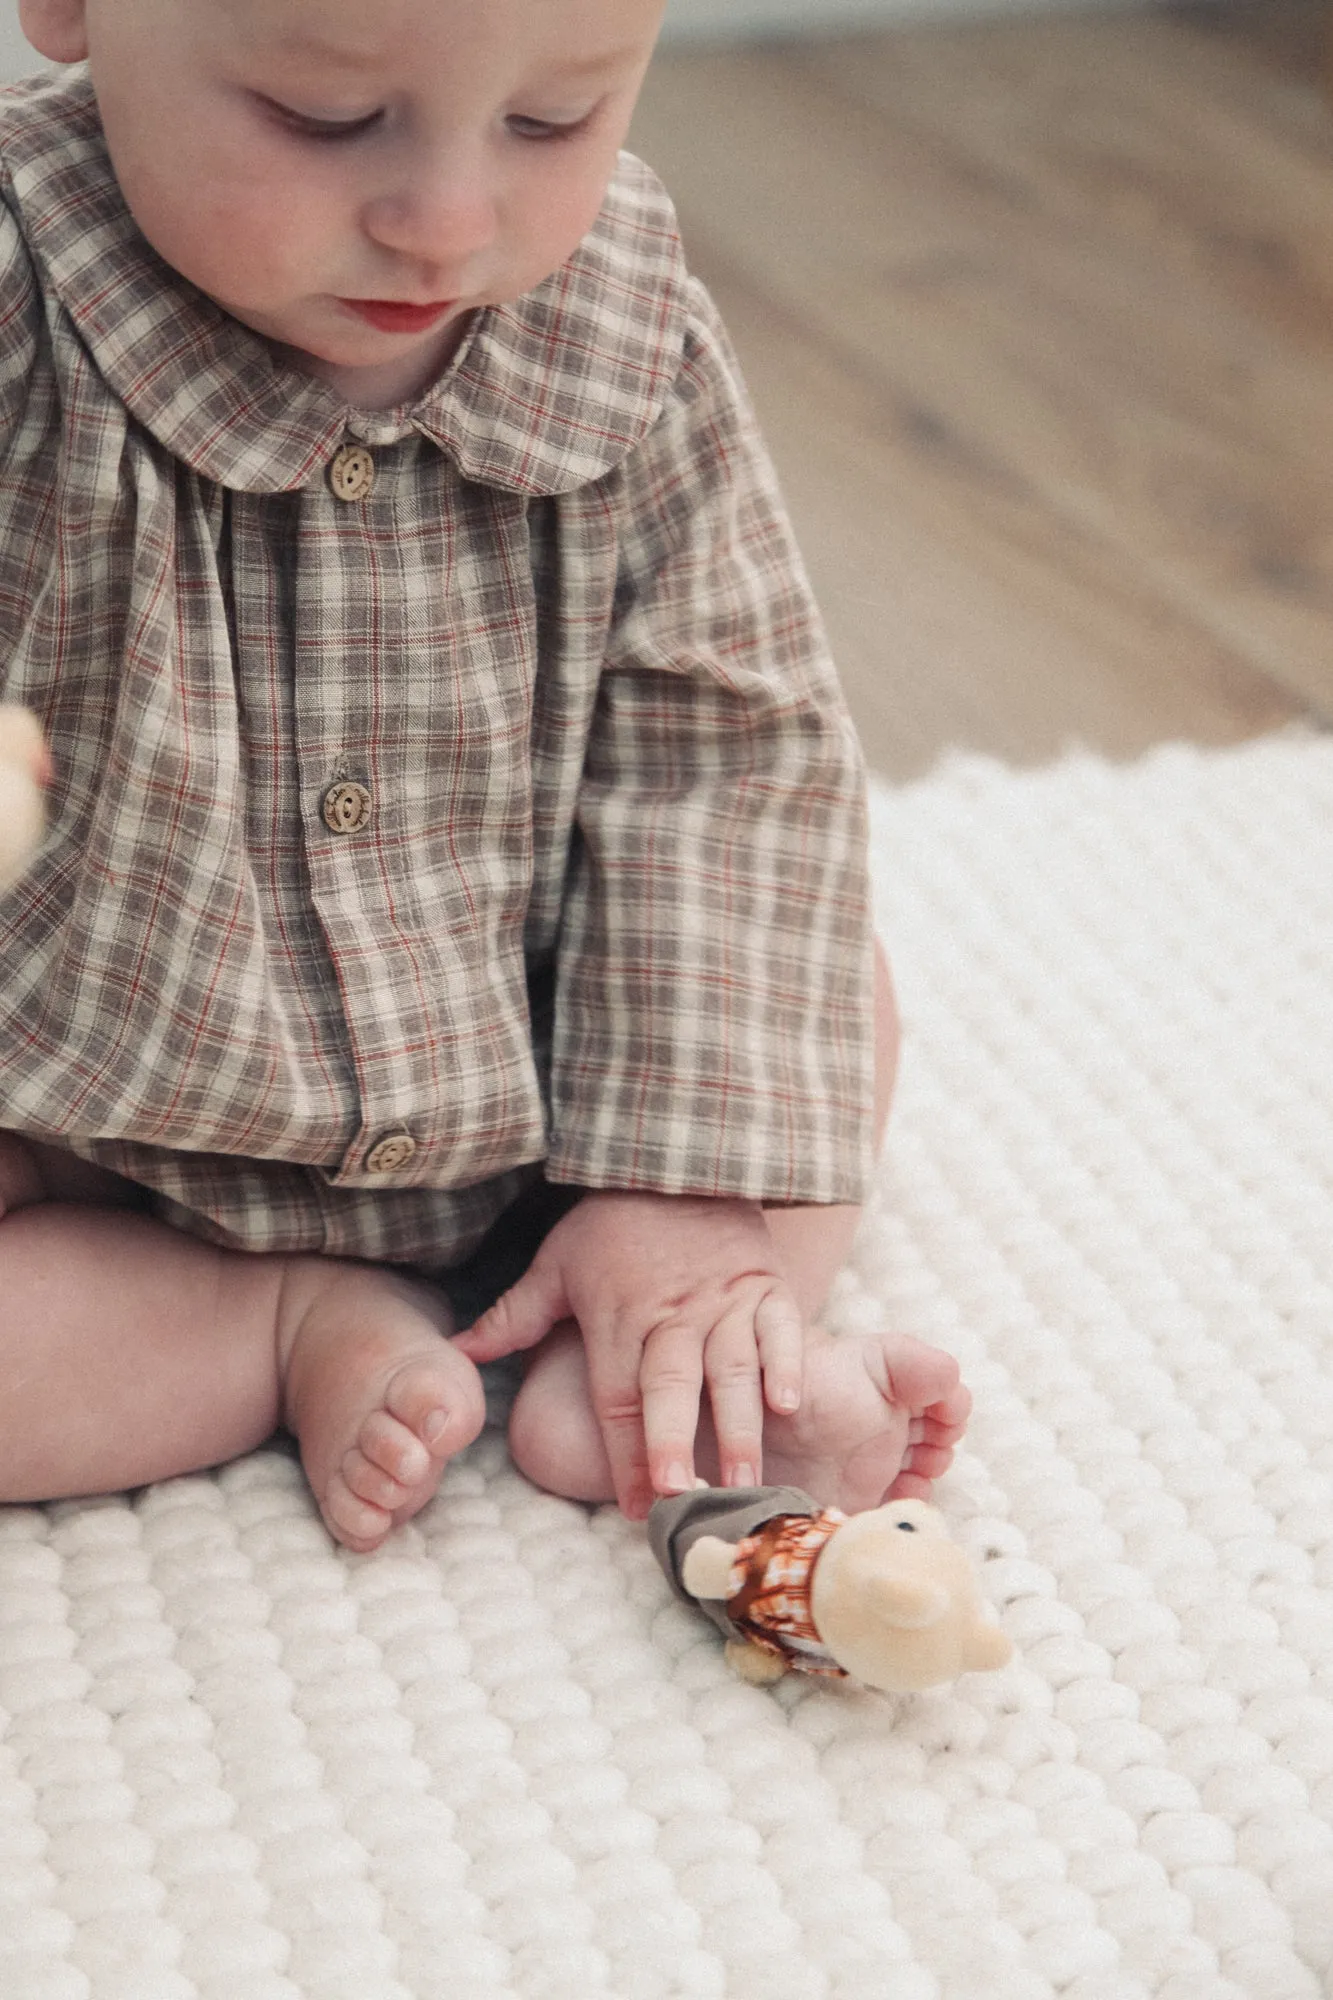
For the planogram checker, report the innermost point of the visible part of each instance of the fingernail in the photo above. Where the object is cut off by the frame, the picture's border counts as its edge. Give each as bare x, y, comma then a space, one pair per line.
435, 1426
787, 1399
677, 1478
743, 1475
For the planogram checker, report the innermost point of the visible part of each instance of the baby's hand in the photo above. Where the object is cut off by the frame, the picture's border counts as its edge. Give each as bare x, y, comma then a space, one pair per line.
24, 769
669, 1293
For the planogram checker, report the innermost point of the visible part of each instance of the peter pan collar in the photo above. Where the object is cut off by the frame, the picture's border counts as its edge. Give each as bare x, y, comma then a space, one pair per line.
544, 395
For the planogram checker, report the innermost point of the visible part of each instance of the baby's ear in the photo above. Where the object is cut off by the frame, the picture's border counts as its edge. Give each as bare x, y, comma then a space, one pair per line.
56, 28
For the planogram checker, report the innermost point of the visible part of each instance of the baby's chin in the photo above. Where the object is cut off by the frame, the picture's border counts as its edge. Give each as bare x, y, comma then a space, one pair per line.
399, 372
310, 335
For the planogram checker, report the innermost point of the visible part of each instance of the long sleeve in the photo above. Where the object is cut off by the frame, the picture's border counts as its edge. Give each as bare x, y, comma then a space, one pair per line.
713, 1022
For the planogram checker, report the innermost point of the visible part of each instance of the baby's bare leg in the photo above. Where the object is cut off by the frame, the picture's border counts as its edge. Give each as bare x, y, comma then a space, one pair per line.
130, 1352
879, 1415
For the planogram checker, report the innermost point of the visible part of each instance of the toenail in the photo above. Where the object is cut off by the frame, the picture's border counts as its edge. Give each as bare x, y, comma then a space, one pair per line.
435, 1426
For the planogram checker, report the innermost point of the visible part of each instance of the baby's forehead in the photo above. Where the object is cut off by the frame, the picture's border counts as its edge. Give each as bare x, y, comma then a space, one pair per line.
451, 59
353, 27
336, 29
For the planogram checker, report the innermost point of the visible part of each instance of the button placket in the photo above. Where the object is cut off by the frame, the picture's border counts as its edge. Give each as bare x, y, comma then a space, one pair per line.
380, 594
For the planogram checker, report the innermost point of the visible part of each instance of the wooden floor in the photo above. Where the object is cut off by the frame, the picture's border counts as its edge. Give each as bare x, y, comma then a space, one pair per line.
1039, 319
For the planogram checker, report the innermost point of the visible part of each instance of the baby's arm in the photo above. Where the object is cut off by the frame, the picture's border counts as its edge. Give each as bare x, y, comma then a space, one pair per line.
672, 1295
713, 1021
24, 770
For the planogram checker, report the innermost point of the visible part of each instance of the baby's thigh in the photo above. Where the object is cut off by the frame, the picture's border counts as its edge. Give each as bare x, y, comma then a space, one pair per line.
31, 1172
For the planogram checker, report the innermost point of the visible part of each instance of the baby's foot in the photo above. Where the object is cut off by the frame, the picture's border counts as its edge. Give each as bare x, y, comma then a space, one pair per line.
378, 1398
879, 1419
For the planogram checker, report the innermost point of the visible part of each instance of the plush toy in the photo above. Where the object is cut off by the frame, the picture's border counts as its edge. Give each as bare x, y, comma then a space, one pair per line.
24, 769
884, 1596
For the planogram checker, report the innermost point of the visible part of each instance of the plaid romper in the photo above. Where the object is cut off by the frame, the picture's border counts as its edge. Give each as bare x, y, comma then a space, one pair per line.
447, 797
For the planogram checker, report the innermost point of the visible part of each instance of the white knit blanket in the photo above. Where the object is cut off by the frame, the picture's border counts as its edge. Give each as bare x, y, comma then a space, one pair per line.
496, 1759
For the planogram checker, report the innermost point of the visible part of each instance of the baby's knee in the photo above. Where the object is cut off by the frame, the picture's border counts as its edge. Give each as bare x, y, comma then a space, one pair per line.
554, 1436
22, 1181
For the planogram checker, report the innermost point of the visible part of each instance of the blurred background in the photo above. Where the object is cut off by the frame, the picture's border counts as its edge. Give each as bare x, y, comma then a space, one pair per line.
1036, 304
1037, 309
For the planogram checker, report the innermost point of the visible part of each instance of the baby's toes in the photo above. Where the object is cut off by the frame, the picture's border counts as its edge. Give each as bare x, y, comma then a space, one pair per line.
929, 1454
392, 1458
946, 1420
928, 1461
359, 1524
920, 1379
922, 1465
385, 1463
443, 1407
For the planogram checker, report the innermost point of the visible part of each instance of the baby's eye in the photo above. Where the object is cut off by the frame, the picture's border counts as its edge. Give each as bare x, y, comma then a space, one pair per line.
310, 127
543, 128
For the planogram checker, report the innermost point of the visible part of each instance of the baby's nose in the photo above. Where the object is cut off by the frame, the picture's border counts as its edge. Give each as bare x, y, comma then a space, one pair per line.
440, 218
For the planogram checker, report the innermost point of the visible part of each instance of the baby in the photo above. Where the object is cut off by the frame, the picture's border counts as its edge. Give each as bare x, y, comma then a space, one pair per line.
450, 937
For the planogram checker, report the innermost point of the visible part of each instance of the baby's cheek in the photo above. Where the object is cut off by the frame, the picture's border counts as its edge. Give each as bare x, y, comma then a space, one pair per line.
254, 245
245, 244
549, 225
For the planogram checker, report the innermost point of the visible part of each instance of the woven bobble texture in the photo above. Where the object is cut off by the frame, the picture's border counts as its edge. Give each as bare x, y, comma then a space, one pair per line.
497, 1761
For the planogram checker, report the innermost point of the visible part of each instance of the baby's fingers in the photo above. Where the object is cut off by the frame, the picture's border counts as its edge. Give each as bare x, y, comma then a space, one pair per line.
622, 1390
671, 1378
731, 1369
780, 1334
520, 1317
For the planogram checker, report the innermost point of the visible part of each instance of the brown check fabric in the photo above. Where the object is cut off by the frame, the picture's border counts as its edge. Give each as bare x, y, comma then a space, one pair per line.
595, 901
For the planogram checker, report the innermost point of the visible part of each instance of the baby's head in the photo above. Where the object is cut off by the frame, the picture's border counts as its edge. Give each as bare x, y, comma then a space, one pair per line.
311, 163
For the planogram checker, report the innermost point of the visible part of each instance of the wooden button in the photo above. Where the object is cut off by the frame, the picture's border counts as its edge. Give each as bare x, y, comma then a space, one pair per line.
387, 1156
351, 472
346, 807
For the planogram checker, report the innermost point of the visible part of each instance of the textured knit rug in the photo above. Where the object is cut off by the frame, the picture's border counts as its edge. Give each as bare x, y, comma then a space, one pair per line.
497, 1760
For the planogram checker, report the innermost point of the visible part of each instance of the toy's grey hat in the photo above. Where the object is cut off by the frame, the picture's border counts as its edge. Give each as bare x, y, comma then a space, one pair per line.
732, 1512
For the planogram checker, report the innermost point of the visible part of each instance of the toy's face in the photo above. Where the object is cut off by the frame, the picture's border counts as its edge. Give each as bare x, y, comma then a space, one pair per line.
908, 1518
906, 1538
894, 1599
